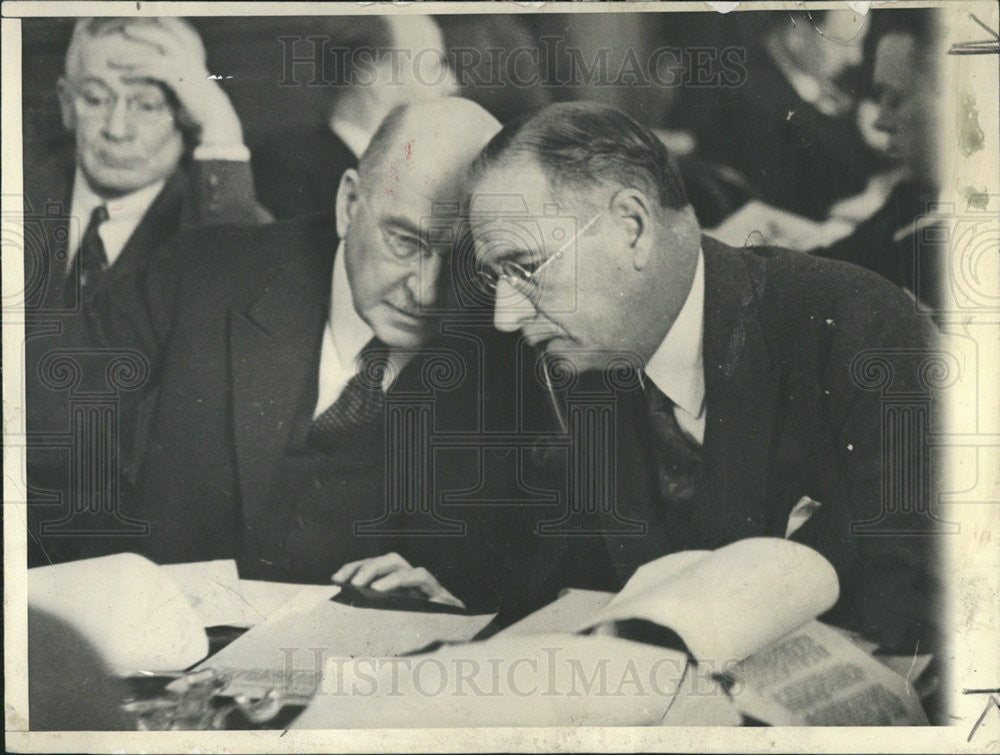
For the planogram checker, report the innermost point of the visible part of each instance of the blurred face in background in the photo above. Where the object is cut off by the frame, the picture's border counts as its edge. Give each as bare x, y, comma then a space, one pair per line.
908, 107
418, 70
826, 45
126, 130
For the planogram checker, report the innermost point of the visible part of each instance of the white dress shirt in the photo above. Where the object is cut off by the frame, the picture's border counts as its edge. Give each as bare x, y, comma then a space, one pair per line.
343, 338
124, 215
345, 335
677, 367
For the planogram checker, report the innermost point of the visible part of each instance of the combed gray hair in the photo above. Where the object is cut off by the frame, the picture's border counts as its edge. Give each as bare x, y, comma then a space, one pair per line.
87, 29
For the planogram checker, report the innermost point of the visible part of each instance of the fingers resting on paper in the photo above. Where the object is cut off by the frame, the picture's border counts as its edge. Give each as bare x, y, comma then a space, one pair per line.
393, 572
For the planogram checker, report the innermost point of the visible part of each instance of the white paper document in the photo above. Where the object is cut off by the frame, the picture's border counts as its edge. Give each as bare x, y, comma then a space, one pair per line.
728, 603
134, 616
287, 652
535, 680
221, 598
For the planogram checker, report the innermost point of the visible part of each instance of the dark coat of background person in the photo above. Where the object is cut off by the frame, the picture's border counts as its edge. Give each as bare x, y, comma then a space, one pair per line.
786, 418
899, 246
298, 172
198, 193
233, 339
793, 156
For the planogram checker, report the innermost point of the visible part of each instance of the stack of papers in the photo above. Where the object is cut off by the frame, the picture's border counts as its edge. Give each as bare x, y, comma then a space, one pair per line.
220, 598
287, 653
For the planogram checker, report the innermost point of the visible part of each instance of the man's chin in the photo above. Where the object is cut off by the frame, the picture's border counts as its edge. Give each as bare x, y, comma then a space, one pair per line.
114, 182
402, 337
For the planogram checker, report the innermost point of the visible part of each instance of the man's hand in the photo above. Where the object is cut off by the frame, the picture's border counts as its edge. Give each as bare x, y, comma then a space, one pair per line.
393, 572
172, 54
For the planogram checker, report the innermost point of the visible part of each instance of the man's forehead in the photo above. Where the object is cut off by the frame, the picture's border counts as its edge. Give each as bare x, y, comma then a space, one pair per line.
415, 195
418, 167
98, 54
493, 210
844, 27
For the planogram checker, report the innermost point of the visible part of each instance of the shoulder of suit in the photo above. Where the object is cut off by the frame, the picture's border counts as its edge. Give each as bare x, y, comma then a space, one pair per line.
241, 250
795, 291
48, 176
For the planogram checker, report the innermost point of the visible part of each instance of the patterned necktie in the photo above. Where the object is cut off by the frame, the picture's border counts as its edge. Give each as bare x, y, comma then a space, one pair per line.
678, 457
360, 403
93, 259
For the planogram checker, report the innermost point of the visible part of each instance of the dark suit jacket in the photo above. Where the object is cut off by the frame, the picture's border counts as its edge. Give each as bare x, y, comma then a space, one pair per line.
298, 172
795, 352
231, 330
198, 193
232, 342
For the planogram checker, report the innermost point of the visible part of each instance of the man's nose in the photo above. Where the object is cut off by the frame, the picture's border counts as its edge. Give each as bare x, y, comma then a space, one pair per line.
118, 123
424, 282
512, 308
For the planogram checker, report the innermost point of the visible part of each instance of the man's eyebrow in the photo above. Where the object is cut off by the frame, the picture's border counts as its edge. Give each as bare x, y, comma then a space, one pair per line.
402, 223
513, 254
92, 80
145, 81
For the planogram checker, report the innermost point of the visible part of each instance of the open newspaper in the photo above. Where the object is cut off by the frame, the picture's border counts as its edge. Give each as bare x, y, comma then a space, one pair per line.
752, 648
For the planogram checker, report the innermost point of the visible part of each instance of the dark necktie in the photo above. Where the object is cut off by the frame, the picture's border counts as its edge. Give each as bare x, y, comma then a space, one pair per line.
93, 259
359, 404
677, 456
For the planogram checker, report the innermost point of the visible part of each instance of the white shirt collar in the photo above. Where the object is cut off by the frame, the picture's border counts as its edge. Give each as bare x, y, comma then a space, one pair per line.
677, 366
355, 137
124, 214
350, 332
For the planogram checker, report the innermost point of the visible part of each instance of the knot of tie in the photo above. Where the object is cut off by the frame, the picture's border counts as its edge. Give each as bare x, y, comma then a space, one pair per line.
93, 257
359, 405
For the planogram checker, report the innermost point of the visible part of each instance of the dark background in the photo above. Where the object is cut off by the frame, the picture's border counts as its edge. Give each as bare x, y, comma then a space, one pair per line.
248, 49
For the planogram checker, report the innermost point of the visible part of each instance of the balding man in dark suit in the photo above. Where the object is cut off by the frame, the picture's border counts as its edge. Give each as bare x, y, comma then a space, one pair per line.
697, 394
279, 360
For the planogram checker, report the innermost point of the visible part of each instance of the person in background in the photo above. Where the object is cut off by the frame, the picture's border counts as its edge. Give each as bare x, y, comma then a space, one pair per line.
155, 147
377, 62
473, 43
790, 128
902, 240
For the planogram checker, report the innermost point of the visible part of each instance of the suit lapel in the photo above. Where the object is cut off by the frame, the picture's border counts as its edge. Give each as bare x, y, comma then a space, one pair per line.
274, 350
741, 393
160, 223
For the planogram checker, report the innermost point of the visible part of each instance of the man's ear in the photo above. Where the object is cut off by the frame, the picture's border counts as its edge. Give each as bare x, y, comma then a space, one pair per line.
66, 105
348, 195
631, 210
